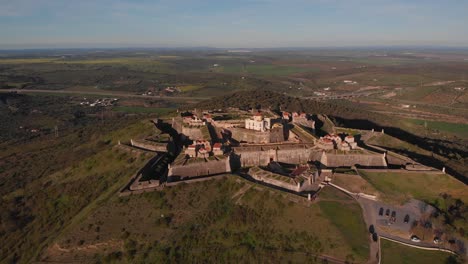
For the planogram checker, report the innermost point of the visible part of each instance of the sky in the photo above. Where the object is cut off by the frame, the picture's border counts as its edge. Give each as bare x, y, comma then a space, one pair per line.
231, 24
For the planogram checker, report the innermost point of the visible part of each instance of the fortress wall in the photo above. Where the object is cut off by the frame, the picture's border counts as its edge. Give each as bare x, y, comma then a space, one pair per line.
337, 160
201, 168
177, 124
276, 135
194, 133
315, 155
272, 181
396, 160
141, 185
254, 158
242, 134
296, 156
149, 145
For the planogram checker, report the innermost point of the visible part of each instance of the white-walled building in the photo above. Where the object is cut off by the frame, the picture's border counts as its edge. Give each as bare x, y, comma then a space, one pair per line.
258, 123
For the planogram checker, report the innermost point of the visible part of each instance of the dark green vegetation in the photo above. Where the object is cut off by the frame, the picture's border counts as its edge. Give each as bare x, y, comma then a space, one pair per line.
208, 222
48, 182
393, 253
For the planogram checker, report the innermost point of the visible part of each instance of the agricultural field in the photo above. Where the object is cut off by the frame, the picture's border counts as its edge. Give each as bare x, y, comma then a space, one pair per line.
140, 109
458, 129
267, 70
394, 253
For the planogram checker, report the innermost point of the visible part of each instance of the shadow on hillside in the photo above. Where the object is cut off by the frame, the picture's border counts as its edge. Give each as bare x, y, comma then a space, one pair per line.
439, 146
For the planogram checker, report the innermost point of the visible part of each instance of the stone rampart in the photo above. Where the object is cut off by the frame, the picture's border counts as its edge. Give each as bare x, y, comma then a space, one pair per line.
246, 135
249, 156
141, 185
348, 160
275, 179
202, 168
194, 133
148, 145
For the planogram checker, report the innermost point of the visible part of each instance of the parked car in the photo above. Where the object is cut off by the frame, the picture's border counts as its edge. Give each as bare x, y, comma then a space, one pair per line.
437, 240
406, 220
415, 239
387, 213
381, 211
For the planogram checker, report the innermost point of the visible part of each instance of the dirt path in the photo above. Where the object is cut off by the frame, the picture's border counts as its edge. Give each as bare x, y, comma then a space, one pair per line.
241, 193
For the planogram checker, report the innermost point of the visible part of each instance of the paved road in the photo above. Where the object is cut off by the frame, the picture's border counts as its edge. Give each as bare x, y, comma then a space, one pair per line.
104, 93
370, 214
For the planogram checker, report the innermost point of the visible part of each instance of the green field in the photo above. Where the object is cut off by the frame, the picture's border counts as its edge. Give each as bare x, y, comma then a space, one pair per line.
348, 219
402, 186
265, 69
141, 109
394, 253
454, 128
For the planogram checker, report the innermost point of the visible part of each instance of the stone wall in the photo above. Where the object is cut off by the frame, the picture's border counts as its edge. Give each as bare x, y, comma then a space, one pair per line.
271, 178
148, 145
141, 185
194, 133
177, 124
203, 168
348, 160
262, 155
249, 156
246, 135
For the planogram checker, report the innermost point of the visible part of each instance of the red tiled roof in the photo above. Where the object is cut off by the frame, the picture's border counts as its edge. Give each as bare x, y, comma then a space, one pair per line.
299, 170
258, 114
217, 145
350, 136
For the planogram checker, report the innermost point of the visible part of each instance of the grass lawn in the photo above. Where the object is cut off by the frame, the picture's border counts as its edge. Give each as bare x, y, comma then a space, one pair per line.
354, 183
347, 217
422, 186
394, 253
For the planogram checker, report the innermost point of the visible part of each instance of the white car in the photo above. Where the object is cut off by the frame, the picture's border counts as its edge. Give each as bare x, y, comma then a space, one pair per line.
415, 239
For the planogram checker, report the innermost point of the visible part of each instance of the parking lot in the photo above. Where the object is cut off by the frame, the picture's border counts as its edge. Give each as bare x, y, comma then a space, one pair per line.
393, 216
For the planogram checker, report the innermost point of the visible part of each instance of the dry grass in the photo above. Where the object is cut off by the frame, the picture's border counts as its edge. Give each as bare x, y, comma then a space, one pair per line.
354, 183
